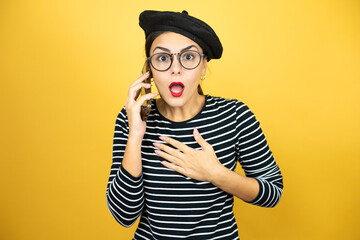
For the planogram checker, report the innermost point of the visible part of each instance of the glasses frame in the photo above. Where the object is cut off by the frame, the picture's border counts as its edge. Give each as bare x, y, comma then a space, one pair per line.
172, 59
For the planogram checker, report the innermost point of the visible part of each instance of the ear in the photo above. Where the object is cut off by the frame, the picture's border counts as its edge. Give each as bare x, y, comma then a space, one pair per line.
204, 66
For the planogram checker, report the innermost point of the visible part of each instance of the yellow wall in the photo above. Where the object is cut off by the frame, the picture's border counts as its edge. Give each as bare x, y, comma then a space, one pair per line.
65, 67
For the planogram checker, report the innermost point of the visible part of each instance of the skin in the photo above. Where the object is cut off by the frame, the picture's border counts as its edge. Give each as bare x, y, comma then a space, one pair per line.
182, 108
202, 165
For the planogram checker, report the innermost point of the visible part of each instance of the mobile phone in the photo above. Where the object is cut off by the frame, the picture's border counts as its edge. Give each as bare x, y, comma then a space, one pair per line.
146, 107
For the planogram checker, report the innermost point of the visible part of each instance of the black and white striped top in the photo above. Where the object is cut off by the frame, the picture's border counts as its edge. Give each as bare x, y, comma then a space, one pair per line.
173, 206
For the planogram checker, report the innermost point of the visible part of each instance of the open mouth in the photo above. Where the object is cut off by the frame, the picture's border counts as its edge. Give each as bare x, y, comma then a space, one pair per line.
176, 89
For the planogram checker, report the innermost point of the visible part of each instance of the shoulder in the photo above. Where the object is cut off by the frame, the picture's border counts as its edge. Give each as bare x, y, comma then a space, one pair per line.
121, 119
122, 114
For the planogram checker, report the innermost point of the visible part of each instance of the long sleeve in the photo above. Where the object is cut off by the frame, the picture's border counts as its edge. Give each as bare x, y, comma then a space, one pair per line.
256, 158
124, 193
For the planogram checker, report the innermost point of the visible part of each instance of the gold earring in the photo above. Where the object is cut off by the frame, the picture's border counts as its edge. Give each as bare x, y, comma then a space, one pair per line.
203, 77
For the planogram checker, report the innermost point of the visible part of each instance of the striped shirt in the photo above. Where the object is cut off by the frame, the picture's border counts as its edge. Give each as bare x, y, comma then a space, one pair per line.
173, 206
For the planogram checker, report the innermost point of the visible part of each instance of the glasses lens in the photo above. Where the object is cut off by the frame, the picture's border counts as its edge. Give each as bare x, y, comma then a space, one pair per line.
190, 59
161, 61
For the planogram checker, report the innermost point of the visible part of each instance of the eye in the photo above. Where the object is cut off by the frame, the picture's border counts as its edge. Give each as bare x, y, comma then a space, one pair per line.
188, 56
162, 57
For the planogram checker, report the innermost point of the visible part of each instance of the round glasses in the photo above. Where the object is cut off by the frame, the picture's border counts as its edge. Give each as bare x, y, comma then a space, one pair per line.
189, 59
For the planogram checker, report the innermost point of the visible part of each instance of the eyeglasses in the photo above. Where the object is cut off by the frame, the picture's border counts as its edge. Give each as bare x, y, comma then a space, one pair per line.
189, 59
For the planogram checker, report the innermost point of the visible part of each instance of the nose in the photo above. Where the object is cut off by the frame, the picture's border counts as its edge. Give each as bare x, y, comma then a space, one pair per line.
175, 66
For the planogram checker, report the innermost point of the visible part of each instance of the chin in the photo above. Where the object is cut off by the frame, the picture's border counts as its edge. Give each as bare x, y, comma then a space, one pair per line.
174, 101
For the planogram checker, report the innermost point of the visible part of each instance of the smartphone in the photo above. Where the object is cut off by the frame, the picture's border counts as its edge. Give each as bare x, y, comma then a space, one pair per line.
146, 107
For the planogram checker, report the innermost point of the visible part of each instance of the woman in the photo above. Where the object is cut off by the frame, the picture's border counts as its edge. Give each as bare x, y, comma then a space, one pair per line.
176, 170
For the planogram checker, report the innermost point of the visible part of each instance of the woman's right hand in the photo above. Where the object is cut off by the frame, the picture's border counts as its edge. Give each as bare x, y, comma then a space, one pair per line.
137, 127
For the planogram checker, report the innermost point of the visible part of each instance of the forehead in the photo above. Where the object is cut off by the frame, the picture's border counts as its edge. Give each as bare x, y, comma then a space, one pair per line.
173, 41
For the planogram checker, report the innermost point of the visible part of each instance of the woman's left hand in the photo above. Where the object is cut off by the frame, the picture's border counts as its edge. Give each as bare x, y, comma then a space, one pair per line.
201, 165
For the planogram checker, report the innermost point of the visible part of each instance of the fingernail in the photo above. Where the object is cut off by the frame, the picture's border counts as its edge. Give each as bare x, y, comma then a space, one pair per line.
162, 138
196, 132
157, 152
156, 144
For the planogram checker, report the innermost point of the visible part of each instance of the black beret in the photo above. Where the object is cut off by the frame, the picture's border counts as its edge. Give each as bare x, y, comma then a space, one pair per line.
184, 24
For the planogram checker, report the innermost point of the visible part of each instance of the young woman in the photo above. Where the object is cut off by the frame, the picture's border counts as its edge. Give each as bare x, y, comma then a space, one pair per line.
176, 170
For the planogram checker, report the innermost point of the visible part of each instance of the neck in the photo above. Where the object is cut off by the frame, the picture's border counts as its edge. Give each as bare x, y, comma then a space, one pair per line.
180, 114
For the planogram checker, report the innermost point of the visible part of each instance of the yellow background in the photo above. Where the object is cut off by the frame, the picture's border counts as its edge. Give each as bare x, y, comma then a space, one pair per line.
65, 68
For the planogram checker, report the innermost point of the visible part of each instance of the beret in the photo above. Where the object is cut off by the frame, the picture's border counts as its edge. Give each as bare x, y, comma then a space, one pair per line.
184, 24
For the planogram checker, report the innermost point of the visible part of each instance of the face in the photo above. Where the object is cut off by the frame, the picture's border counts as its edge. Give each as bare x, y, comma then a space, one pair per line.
177, 85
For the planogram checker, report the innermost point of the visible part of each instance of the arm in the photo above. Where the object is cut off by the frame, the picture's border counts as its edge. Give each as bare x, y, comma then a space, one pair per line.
124, 193
245, 188
203, 165
257, 160
262, 185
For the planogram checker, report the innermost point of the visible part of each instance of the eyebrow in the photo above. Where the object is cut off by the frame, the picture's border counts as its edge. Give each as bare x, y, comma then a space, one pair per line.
167, 50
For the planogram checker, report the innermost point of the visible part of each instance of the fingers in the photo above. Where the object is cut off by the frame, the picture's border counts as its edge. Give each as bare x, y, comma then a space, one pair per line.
200, 140
167, 151
140, 79
173, 163
182, 147
172, 155
145, 97
169, 157
179, 145
134, 90
173, 167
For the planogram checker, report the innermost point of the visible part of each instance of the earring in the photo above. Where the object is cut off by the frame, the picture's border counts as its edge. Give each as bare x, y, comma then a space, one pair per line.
203, 77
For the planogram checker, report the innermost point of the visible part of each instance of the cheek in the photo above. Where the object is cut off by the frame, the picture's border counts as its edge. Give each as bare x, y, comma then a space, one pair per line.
192, 84
160, 85
196, 78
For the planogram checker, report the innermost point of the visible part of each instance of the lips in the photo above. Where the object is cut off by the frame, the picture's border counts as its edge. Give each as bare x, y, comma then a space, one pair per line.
176, 89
